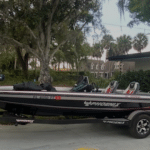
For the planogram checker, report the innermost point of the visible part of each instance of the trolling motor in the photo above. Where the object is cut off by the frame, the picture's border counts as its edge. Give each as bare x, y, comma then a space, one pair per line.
2, 77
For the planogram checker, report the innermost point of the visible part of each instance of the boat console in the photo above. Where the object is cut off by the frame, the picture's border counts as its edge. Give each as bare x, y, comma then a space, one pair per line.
82, 85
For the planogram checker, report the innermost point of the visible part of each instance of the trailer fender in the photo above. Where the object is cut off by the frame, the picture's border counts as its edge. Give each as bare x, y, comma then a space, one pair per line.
138, 112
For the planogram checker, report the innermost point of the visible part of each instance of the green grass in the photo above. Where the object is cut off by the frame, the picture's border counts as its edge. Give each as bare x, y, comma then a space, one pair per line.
13, 80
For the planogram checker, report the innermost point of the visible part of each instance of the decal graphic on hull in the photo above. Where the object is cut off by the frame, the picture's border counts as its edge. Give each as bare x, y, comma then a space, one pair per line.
42, 97
114, 122
103, 104
58, 97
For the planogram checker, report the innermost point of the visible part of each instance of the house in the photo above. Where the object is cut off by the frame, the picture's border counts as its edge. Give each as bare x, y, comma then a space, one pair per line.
106, 69
141, 60
93, 66
98, 68
110, 67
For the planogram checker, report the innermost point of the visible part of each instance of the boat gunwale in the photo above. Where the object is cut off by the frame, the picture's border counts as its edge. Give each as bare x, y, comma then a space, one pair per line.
80, 94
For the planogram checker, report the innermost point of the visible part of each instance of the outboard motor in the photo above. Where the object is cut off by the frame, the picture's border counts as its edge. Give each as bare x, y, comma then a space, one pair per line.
133, 88
2, 77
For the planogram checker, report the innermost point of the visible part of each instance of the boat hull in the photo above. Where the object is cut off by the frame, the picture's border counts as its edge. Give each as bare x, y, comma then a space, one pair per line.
69, 103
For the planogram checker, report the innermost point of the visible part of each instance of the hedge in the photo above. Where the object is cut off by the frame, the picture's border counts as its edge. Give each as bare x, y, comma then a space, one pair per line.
143, 77
68, 78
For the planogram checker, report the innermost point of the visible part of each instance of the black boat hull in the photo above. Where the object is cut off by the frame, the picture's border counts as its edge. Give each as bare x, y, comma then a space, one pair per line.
69, 103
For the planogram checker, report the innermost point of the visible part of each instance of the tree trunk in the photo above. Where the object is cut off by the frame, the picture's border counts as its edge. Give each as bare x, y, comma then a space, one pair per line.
44, 72
58, 66
23, 61
55, 67
98, 62
35, 61
15, 64
26, 57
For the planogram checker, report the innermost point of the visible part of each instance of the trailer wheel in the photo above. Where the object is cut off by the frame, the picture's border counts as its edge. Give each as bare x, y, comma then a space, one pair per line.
140, 126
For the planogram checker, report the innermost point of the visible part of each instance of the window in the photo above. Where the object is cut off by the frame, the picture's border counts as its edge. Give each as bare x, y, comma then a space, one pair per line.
102, 67
92, 65
121, 66
106, 75
112, 74
117, 65
96, 66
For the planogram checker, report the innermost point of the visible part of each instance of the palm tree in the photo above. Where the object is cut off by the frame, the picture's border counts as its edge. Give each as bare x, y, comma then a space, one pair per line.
113, 51
106, 41
97, 50
140, 42
124, 44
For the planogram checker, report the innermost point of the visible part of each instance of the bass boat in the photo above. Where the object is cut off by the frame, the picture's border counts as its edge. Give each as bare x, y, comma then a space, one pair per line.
81, 100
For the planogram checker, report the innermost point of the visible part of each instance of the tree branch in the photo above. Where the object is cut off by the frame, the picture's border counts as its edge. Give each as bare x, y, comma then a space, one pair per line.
56, 2
52, 55
13, 41
62, 43
29, 29
24, 24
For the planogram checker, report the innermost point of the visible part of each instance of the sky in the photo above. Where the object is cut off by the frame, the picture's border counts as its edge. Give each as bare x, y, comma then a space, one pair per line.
117, 26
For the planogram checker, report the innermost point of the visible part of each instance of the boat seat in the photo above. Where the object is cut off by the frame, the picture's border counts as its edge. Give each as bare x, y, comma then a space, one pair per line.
133, 88
82, 85
111, 88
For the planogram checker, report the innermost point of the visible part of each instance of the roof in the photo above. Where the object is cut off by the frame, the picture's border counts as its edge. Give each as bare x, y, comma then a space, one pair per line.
129, 56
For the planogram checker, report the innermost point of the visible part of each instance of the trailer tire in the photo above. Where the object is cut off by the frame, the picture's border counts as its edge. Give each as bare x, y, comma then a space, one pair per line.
140, 126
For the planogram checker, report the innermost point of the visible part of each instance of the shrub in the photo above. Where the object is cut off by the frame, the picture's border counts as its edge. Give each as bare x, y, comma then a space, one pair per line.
143, 77
68, 78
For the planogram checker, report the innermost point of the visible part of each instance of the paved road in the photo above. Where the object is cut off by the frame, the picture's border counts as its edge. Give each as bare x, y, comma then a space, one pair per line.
69, 137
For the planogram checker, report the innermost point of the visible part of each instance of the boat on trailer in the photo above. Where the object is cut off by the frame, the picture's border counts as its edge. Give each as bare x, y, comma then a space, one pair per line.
110, 106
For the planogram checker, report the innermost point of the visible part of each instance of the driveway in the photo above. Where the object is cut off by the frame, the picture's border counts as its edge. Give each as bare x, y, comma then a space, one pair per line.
69, 137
